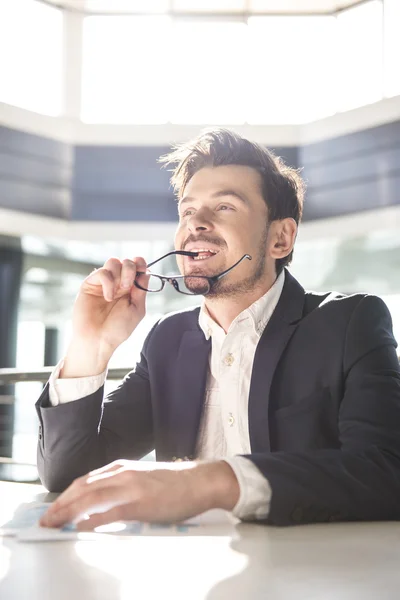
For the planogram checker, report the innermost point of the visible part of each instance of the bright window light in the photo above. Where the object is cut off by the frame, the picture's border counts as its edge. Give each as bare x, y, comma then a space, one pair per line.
133, 6
359, 60
126, 71
31, 56
208, 84
272, 70
289, 69
210, 6
392, 47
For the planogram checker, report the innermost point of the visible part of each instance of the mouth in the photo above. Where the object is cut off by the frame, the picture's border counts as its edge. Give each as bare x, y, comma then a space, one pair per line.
203, 254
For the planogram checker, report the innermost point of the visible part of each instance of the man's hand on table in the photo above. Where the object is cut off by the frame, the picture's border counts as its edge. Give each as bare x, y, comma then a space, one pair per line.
141, 491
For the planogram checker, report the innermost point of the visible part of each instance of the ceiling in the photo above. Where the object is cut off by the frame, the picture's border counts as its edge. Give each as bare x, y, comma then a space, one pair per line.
218, 7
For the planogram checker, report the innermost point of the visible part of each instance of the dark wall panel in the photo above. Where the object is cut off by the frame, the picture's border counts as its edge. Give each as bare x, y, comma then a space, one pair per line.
290, 154
35, 173
120, 170
360, 142
355, 197
351, 173
18, 167
344, 171
119, 183
125, 207
32, 198
20, 142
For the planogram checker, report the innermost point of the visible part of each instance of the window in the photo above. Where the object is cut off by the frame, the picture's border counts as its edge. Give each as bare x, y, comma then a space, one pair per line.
156, 69
392, 47
31, 56
289, 71
133, 6
126, 69
359, 62
210, 6
30, 355
207, 75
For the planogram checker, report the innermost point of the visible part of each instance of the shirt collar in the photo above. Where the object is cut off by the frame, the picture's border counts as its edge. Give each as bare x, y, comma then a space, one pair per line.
257, 315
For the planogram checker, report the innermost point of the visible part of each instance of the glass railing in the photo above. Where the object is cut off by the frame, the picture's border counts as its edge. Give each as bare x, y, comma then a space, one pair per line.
21, 466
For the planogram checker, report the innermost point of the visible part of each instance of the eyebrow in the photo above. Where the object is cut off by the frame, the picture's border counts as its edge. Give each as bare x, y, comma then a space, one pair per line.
219, 194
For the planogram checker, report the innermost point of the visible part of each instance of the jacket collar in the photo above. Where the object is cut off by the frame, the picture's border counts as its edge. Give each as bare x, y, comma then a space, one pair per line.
270, 349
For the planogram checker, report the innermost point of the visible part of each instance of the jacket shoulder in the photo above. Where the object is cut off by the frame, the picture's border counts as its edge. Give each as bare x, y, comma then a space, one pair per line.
366, 314
332, 301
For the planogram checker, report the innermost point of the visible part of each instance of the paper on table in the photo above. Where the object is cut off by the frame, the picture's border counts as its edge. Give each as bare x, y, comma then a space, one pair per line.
25, 526
26, 515
133, 528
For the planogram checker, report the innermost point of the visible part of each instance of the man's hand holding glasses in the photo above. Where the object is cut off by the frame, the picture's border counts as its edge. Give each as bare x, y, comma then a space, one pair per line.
111, 303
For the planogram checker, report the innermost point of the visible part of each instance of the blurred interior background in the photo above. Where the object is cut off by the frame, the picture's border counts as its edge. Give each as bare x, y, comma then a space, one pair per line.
92, 92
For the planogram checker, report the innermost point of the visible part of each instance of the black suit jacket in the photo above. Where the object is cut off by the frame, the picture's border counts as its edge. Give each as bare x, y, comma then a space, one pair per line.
324, 408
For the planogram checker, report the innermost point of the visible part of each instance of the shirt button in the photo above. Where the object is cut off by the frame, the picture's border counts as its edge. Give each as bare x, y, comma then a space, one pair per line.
229, 360
231, 420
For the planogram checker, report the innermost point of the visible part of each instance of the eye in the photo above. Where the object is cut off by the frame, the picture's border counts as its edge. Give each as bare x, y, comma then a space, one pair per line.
188, 212
224, 207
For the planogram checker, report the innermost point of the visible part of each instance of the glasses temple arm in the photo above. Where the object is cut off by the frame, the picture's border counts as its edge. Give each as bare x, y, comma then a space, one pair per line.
182, 252
216, 278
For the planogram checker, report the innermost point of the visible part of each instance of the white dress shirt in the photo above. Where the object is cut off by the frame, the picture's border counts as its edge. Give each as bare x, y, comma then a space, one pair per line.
224, 427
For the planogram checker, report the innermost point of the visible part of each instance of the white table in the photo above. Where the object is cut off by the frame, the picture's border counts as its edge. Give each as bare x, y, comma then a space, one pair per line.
341, 561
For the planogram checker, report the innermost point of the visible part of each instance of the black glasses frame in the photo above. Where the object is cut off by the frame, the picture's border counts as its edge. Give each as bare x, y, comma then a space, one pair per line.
174, 280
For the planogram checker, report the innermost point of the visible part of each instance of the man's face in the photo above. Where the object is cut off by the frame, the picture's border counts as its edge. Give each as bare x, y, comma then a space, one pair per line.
222, 212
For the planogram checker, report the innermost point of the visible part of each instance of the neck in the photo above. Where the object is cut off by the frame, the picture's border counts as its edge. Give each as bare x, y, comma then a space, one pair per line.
225, 309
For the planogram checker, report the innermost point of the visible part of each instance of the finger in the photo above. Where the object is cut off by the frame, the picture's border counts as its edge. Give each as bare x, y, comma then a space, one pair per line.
114, 466
80, 486
97, 500
140, 262
76, 492
117, 513
93, 478
104, 278
111, 271
61, 501
114, 265
128, 273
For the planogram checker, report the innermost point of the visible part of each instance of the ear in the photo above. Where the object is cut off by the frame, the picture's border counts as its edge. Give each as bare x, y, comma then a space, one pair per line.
282, 236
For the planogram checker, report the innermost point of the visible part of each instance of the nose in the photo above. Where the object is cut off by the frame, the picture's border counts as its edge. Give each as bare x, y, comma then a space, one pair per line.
200, 221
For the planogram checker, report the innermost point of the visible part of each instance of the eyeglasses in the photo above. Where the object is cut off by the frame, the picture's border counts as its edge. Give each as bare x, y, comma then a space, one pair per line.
190, 285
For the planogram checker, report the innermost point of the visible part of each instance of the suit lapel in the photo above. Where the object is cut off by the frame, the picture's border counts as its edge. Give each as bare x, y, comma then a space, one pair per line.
192, 367
271, 346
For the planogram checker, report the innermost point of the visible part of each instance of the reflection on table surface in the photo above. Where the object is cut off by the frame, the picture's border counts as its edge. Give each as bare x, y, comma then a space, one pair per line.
221, 559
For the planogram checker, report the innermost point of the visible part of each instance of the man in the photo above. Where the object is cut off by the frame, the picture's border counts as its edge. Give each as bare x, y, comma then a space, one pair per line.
279, 405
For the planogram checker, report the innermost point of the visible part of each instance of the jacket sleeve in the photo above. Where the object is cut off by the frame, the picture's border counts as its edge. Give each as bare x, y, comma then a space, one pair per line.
361, 479
79, 436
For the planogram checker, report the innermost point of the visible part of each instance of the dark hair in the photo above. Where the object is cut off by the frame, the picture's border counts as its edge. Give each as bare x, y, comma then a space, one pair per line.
282, 187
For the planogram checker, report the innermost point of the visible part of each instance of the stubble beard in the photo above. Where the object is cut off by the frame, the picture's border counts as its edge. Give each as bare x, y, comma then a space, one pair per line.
223, 289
